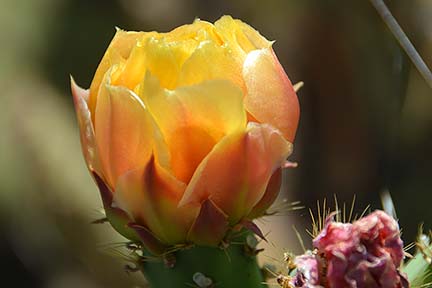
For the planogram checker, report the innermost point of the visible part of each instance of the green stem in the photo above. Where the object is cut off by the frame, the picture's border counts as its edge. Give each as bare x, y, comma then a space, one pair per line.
229, 268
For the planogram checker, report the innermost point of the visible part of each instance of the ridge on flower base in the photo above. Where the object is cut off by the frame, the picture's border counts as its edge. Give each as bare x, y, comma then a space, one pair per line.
186, 132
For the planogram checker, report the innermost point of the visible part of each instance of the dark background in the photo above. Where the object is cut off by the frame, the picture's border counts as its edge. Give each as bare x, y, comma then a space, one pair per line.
365, 127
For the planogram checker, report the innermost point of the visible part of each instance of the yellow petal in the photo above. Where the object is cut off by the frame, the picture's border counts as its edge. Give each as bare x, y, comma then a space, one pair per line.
88, 144
238, 34
249, 37
124, 132
118, 51
270, 95
235, 174
199, 31
133, 70
211, 61
165, 58
192, 119
150, 195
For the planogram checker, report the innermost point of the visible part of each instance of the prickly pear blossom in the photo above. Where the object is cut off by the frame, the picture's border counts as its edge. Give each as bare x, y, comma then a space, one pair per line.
185, 132
365, 254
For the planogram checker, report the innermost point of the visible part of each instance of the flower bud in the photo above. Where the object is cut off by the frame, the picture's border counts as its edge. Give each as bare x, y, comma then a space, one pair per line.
185, 130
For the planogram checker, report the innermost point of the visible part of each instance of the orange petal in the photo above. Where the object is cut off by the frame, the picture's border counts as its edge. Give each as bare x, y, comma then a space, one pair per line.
193, 119
88, 145
236, 172
271, 97
124, 132
150, 195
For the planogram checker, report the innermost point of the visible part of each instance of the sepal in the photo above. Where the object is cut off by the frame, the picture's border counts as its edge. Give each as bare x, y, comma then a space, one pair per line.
210, 226
149, 240
116, 216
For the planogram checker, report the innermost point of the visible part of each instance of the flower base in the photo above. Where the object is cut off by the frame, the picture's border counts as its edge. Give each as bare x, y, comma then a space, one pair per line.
201, 267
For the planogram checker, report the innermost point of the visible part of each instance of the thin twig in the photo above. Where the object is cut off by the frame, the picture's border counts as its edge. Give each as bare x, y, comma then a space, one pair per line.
403, 40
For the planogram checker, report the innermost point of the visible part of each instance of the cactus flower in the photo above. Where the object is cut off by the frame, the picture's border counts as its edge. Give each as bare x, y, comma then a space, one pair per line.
366, 253
185, 132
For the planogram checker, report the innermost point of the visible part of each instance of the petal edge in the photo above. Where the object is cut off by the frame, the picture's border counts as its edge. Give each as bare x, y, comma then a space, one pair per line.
87, 135
270, 95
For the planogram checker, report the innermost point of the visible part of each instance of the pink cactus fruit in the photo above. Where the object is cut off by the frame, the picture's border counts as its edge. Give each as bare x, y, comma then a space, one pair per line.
308, 271
363, 254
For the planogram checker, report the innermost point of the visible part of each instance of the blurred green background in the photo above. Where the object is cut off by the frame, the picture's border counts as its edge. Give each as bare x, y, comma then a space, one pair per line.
365, 128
